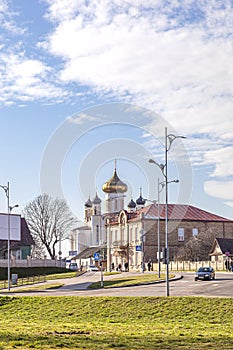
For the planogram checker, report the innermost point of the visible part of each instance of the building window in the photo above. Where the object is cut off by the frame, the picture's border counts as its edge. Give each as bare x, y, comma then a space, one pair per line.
136, 259
195, 232
122, 234
72, 242
97, 234
180, 234
18, 254
115, 235
136, 234
131, 234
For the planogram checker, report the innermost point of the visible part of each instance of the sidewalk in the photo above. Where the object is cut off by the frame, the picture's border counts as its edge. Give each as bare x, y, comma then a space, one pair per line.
81, 282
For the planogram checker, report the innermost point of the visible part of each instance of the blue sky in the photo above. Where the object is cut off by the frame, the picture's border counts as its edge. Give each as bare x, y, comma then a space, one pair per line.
85, 82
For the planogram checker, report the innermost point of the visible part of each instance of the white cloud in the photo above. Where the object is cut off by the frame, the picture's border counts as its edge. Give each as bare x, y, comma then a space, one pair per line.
81, 118
174, 57
221, 158
7, 21
25, 72
180, 65
220, 189
25, 79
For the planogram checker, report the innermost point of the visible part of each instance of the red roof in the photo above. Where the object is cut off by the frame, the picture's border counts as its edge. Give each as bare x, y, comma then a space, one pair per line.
179, 212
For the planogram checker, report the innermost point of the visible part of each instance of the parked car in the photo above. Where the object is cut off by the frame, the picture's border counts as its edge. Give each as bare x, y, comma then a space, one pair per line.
205, 273
92, 268
73, 266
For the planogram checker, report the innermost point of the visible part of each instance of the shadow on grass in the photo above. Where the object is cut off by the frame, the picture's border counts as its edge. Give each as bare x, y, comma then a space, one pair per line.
101, 339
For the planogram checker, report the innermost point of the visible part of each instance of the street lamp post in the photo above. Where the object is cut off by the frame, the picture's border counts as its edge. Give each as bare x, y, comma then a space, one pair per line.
169, 138
162, 184
142, 238
108, 238
127, 246
9, 209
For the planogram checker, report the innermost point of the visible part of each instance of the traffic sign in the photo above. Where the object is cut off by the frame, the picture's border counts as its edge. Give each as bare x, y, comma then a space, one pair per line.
72, 252
138, 248
96, 256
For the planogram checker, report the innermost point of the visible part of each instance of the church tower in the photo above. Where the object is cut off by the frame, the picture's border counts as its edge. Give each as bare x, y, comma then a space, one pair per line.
96, 205
93, 220
114, 189
140, 201
96, 221
88, 211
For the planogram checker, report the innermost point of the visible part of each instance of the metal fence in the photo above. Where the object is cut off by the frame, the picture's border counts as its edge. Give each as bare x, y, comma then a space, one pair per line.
23, 281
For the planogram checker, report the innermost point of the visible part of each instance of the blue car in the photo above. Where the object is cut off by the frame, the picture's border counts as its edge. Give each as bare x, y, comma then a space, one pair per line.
205, 273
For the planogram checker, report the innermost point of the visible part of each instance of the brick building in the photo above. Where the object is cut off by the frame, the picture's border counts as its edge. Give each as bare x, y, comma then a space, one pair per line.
130, 235
184, 222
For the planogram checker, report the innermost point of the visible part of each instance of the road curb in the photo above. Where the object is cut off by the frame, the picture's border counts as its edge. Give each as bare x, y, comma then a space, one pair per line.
176, 278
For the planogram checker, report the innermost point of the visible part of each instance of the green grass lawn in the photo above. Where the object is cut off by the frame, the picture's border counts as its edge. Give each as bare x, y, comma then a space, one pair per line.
181, 323
123, 280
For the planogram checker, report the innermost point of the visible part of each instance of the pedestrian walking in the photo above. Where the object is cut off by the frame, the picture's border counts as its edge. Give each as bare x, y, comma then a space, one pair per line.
149, 265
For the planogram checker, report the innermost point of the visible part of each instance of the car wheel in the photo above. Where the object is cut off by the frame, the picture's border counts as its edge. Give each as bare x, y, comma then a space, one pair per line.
196, 278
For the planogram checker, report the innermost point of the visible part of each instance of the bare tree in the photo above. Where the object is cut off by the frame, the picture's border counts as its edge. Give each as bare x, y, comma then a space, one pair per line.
49, 221
198, 247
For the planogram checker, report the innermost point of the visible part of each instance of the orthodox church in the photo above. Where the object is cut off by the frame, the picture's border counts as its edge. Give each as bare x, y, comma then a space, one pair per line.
108, 233
128, 237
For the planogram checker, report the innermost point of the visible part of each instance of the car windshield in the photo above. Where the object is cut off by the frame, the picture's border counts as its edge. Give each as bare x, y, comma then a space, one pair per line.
204, 269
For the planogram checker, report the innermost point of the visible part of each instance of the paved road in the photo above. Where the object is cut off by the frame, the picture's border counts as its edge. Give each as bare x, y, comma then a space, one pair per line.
222, 286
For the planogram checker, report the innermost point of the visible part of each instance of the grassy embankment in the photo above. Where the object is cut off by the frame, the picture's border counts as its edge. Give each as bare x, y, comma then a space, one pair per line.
183, 323
32, 275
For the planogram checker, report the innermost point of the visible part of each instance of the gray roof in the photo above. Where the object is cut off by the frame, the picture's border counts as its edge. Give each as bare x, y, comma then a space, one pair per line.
88, 252
96, 200
225, 244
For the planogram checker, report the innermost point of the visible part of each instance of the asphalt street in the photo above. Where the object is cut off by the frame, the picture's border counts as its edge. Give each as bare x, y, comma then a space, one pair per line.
184, 285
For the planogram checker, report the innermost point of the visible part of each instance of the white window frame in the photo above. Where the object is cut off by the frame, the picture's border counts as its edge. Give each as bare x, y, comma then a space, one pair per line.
181, 234
195, 232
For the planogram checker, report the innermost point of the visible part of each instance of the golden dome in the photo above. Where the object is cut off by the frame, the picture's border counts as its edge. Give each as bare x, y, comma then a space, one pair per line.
114, 185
